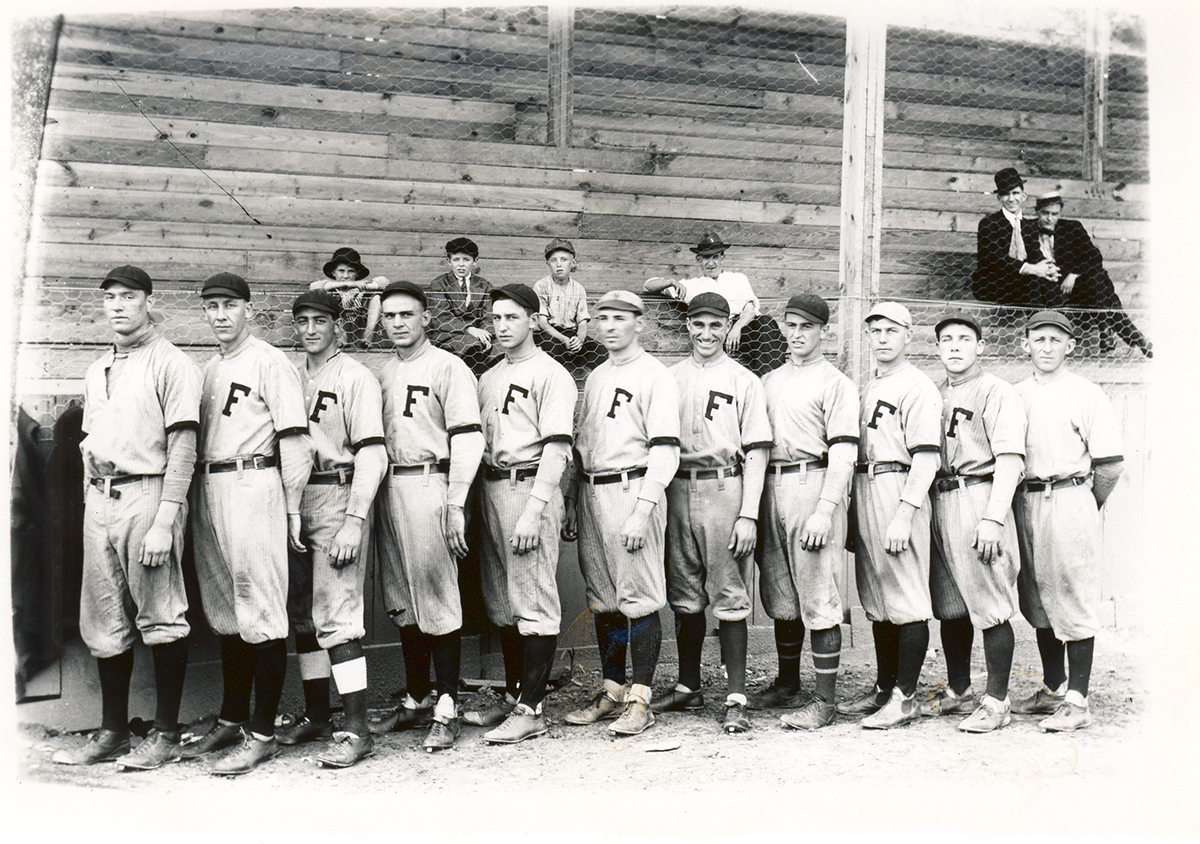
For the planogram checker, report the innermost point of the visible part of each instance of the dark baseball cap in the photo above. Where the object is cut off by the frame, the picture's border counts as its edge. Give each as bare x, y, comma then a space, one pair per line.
522, 294
1050, 318
462, 244
318, 300
406, 287
135, 278
559, 244
708, 303
957, 317
809, 304
225, 284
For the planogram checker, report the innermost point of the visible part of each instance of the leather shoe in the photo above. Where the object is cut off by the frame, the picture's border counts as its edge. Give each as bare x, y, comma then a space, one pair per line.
678, 700
304, 730
249, 755
103, 746
218, 738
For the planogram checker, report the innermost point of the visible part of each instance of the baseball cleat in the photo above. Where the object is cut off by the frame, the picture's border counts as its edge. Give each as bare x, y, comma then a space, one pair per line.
776, 696
868, 704
678, 700
219, 737
815, 715
155, 750
1067, 718
735, 718
896, 712
409, 715
945, 702
636, 718
102, 746
304, 730
251, 753
493, 715
442, 733
1045, 701
346, 749
991, 715
521, 723
602, 708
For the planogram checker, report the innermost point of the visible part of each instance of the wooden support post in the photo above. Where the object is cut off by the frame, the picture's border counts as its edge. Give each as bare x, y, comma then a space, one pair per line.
862, 184
561, 24
1095, 94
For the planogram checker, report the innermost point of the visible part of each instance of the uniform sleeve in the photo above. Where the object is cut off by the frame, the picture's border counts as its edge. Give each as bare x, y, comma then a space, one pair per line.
284, 396
841, 411
755, 424
1100, 429
556, 406
365, 411
922, 417
179, 389
1004, 420
459, 398
662, 413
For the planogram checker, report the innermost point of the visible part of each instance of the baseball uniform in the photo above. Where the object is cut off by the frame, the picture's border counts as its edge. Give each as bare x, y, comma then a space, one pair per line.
252, 397
812, 406
900, 416
1071, 426
524, 405
981, 418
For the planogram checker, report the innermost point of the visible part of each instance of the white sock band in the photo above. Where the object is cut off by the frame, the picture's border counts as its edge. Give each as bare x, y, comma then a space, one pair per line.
314, 665
350, 676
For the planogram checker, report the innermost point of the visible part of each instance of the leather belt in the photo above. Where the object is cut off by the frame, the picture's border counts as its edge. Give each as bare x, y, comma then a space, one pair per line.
881, 468
788, 468
106, 483
710, 474
1041, 486
629, 475
258, 461
442, 467
336, 476
958, 482
496, 473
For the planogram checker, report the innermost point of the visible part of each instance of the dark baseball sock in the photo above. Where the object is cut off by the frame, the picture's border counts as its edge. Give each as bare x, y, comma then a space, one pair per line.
827, 656
447, 663
237, 670
512, 646
538, 659
789, 645
734, 637
418, 650
170, 665
689, 638
998, 653
1054, 657
645, 641
270, 668
887, 654
316, 689
115, 673
913, 642
958, 634
354, 704
1079, 660
612, 635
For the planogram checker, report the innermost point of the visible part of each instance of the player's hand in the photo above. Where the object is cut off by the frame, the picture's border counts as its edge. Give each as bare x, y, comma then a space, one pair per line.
156, 546
633, 532
526, 536
294, 534
899, 532
987, 541
456, 531
346, 543
743, 537
570, 527
482, 336
733, 339
574, 344
815, 533
1068, 283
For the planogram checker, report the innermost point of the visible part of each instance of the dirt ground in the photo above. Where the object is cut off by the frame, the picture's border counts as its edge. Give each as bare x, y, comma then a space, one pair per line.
684, 777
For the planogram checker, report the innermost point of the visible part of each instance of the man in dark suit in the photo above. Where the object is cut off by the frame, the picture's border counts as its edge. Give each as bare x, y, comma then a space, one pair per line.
1010, 267
1083, 281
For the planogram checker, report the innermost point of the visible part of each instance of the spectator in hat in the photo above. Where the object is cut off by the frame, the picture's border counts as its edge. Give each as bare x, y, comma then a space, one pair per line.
1083, 281
753, 338
563, 318
459, 307
1011, 269
345, 277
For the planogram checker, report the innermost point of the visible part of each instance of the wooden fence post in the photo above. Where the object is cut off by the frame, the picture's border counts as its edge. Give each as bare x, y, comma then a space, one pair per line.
1095, 94
561, 25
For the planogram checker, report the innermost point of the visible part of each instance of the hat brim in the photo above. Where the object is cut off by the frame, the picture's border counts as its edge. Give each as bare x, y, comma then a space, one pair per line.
619, 306
211, 292
128, 282
1066, 329
804, 313
709, 251
313, 306
706, 309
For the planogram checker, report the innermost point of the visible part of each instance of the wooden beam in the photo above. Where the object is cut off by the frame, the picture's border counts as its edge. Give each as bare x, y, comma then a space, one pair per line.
561, 25
1095, 94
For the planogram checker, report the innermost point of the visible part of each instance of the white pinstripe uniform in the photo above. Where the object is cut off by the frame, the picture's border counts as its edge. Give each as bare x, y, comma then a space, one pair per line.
345, 413
812, 406
524, 405
722, 416
126, 419
900, 417
1071, 425
252, 397
627, 408
981, 418
427, 399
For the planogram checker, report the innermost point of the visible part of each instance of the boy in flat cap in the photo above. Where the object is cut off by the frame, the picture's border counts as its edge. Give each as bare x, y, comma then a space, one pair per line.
563, 319
459, 315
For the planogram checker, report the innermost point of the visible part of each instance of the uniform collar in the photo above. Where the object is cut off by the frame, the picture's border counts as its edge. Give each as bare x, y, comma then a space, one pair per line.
239, 348
147, 337
415, 353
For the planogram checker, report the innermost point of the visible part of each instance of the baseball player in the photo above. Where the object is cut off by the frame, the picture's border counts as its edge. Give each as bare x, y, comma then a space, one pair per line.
973, 568
1072, 462
325, 594
434, 444
898, 448
627, 441
712, 507
814, 417
141, 412
255, 456
527, 403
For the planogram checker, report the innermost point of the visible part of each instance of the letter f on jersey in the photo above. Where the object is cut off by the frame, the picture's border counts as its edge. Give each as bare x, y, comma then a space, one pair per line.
320, 405
231, 400
880, 407
954, 417
616, 402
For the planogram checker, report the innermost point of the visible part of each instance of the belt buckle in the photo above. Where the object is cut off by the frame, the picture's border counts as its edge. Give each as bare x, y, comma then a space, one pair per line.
871, 470
341, 475
1049, 489
108, 490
